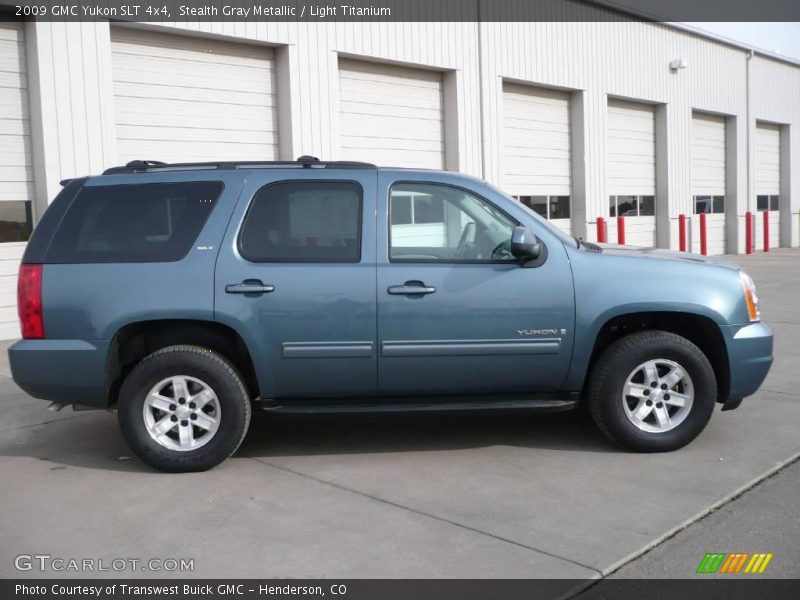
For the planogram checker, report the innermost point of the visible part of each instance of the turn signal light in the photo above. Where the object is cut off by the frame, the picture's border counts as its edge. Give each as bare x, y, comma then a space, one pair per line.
750, 296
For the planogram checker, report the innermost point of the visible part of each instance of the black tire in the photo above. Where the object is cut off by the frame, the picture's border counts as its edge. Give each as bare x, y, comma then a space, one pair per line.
615, 365
194, 362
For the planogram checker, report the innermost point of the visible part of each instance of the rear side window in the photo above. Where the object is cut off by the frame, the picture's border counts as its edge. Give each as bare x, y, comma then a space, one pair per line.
150, 222
303, 221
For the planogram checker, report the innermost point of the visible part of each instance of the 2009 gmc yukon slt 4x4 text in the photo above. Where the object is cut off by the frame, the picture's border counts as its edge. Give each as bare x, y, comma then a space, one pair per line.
186, 295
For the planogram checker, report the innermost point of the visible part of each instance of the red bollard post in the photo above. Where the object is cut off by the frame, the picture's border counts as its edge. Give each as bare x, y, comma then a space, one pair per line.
682, 231
621, 230
766, 230
748, 232
703, 235
601, 230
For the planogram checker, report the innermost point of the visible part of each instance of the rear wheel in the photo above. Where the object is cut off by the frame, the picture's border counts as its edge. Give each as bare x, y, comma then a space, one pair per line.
652, 391
184, 408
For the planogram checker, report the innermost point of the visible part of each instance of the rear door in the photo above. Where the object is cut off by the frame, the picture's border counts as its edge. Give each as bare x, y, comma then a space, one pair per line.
296, 277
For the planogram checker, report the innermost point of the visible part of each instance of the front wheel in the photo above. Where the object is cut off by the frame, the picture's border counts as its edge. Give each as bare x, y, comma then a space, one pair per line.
652, 391
184, 408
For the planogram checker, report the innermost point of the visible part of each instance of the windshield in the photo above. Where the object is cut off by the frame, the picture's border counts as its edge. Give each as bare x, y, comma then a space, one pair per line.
567, 239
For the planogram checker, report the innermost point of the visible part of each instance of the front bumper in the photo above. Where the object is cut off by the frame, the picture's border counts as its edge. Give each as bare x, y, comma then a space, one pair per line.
67, 371
750, 358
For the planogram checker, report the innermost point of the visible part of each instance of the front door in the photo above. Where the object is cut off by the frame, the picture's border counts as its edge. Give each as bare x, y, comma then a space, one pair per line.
296, 278
457, 313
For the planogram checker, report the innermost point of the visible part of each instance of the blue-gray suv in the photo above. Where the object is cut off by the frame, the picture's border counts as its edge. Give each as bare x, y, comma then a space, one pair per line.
186, 295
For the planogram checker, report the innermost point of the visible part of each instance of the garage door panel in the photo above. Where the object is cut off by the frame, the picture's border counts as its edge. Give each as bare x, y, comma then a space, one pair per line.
140, 43
178, 151
396, 127
182, 98
380, 142
395, 156
381, 95
768, 159
630, 156
521, 124
536, 141
257, 122
708, 163
390, 111
193, 134
143, 91
16, 174
177, 74
390, 114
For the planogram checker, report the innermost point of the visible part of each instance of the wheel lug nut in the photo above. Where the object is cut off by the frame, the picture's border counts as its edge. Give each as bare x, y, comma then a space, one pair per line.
649, 403
172, 407
646, 392
659, 405
193, 417
192, 405
663, 386
666, 396
184, 423
181, 400
173, 418
653, 384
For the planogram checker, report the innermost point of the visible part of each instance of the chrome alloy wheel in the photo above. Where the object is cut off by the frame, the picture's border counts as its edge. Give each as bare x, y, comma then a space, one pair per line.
181, 413
658, 395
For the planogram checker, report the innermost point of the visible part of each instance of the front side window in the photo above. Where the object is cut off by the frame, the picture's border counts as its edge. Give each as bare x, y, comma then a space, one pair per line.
549, 207
150, 222
304, 221
632, 206
435, 222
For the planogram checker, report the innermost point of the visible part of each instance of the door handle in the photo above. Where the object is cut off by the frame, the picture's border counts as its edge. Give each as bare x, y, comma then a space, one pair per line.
411, 288
249, 286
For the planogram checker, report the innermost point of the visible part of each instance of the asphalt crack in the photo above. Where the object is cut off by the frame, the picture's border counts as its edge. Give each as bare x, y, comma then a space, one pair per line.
428, 515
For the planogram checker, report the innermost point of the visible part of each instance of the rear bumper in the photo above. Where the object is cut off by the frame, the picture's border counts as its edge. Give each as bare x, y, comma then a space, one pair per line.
750, 357
68, 371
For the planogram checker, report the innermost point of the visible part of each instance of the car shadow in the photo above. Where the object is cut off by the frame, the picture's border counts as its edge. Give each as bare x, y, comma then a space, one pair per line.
273, 435
93, 440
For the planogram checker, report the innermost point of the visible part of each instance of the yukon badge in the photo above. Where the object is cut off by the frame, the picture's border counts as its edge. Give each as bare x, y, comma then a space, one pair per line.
542, 331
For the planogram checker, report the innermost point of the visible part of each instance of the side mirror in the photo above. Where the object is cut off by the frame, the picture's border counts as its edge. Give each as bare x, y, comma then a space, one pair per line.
524, 244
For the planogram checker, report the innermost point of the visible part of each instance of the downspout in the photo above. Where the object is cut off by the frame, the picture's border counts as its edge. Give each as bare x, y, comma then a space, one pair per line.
481, 91
749, 116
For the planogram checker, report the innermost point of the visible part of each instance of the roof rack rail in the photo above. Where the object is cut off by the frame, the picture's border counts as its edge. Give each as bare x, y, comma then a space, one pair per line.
304, 162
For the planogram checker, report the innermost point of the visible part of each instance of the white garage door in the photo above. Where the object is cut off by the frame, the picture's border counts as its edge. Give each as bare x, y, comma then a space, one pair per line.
708, 180
16, 177
390, 115
768, 182
631, 163
536, 150
179, 98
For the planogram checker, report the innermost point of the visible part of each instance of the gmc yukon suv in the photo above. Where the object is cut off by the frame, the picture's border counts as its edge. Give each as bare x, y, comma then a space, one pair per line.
186, 295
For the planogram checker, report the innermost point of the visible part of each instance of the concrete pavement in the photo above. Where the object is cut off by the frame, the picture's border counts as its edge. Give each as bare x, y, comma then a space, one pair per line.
487, 495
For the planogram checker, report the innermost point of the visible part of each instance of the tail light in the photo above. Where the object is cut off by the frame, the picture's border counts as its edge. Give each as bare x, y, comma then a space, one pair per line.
29, 301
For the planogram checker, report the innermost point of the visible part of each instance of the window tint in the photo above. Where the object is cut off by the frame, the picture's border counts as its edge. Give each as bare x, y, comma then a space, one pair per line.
709, 204
549, 207
304, 221
16, 223
459, 227
151, 222
632, 206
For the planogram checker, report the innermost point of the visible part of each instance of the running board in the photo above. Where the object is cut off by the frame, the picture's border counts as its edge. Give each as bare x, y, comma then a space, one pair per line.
551, 403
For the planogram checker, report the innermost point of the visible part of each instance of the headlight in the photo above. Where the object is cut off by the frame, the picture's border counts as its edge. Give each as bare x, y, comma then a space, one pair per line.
750, 297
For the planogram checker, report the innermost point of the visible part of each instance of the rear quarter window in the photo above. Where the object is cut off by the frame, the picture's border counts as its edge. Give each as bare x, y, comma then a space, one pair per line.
150, 222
